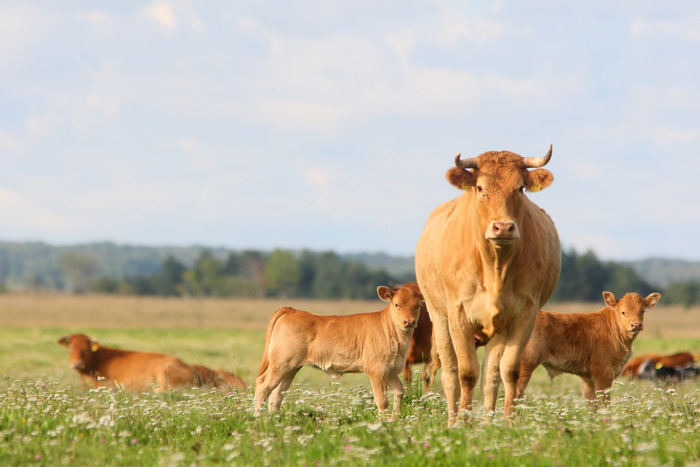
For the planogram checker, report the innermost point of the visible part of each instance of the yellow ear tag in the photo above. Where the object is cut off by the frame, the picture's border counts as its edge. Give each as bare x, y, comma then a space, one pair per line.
659, 365
535, 188
466, 187
95, 346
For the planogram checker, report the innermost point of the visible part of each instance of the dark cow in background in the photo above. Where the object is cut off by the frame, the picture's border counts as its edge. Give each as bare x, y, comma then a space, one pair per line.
98, 365
675, 367
486, 262
594, 346
421, 341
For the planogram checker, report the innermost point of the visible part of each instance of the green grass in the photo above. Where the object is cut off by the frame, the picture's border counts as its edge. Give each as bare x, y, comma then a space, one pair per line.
46, 418
51, 424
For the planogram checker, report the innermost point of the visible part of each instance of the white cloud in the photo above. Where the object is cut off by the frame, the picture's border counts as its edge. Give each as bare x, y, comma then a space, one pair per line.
162, 14
11, 144
23, 27
687, 28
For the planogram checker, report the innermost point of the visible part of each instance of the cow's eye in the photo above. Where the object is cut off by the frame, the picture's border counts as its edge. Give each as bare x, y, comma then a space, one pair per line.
479, 188
521, 189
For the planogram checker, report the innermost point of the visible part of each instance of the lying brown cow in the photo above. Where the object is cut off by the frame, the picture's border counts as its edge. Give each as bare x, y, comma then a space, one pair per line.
101, 366
594, 346
374, 343
677, 360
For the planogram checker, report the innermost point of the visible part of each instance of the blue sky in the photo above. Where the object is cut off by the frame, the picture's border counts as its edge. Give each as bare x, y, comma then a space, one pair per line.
330, 125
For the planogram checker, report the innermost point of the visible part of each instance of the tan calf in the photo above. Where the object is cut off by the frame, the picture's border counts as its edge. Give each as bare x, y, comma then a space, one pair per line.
373, 343
594, 346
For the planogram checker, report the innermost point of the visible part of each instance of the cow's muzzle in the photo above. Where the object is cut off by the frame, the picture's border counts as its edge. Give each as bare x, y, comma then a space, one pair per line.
77, 365
636, 328
410, 323
502, 232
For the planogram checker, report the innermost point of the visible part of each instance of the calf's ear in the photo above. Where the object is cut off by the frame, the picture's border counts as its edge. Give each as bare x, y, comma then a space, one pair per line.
610, 299
64, 341
652, 299
385, 293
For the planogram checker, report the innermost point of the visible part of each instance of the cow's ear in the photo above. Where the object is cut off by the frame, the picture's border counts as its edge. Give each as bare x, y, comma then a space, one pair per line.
94, 345
462, 179
64, 341
385, 293
610, 299
652, 299
539, 179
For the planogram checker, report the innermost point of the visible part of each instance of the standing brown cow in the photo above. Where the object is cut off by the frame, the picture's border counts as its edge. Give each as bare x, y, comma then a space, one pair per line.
594, 346
486, 262
373, 343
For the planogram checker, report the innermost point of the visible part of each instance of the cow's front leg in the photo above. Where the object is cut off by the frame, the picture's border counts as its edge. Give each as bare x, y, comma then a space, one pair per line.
397, 388
467, 363
379, 385
517, 338
448, 359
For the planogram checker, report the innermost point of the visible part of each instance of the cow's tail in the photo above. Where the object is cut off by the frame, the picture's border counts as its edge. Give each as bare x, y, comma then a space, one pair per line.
270, 326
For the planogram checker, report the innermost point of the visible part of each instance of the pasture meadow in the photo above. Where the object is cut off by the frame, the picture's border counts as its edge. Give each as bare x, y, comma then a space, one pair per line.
48, 418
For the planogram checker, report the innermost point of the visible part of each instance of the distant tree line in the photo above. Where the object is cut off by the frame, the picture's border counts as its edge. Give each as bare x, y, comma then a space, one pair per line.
304, 274
282, 273
279, 273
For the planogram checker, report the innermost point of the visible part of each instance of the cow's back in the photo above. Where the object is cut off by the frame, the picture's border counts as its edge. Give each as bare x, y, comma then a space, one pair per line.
142, 370
335, 344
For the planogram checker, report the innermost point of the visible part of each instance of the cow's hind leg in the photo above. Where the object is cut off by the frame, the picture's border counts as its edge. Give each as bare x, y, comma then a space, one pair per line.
490, 373
431, 368
517, 339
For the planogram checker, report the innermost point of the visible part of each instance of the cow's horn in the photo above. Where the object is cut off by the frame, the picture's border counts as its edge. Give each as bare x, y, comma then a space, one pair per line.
466, 163
534, 162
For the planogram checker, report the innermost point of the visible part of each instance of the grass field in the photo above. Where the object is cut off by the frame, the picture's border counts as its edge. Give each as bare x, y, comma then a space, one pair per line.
46, 418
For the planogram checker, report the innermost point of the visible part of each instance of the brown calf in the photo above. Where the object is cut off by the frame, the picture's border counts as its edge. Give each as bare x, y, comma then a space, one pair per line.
420, 350
594, 346
140, 371
676, 360
373, 343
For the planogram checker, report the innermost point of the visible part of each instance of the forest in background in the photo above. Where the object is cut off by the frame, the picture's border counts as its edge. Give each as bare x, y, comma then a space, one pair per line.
201, 271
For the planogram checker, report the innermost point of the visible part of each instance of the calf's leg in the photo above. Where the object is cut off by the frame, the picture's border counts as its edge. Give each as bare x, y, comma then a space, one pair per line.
379, 386
266, 383
397, 388
278, 393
